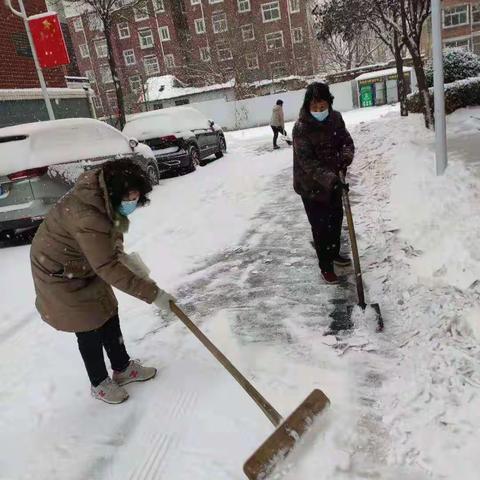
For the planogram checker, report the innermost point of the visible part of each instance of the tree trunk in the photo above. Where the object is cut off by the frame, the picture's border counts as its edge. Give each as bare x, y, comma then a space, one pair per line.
116, 80
401, 86
423, 88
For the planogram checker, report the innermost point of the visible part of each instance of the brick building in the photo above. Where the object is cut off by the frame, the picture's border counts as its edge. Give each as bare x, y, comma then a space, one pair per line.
461, 24
200, 42
17, 69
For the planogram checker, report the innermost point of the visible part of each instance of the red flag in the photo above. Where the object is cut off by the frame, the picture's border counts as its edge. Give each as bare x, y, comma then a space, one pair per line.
48, 40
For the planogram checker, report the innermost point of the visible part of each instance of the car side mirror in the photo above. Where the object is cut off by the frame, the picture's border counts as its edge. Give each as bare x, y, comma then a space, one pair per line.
133, 142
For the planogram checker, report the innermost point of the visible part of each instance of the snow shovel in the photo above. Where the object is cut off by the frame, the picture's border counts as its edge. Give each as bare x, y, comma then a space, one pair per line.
287, 432
346, 323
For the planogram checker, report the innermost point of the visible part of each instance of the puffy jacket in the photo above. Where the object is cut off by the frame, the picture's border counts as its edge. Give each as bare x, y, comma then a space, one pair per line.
278, 119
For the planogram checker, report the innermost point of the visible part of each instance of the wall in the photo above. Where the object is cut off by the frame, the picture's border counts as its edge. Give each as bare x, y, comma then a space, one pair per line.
17, 69
255, 112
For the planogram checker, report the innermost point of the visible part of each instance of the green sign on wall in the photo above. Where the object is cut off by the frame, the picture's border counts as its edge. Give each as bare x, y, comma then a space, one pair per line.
366, 96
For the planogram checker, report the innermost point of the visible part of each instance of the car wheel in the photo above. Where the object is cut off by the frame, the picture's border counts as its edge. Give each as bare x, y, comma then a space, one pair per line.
152, 174
223, 147
194, 154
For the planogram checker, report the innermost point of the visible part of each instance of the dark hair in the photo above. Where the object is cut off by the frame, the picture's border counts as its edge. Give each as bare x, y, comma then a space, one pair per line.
279, 102
316, 91
123, 176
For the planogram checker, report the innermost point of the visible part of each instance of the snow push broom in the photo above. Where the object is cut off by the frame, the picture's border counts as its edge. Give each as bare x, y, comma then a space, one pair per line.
346, 322
287, 432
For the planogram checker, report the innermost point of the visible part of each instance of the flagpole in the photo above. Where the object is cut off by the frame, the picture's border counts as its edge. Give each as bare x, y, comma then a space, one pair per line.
23, 15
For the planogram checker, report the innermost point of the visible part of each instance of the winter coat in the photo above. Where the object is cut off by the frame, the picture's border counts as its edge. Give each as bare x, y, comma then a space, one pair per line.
320, 151
278, 120
76, 257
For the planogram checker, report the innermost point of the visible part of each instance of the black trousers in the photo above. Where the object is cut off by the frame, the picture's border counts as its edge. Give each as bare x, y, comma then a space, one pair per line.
91, 345
276, 131
326, 221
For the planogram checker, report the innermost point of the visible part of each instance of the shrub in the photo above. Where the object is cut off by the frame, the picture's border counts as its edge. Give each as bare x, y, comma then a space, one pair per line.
460, 94
458, 64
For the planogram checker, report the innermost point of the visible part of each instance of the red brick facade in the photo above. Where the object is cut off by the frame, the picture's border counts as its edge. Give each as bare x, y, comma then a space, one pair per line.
17, 69
247, 39
461, 24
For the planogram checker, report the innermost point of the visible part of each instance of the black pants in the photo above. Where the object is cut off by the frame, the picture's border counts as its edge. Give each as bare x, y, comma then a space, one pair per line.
326, 222
276, 131
91, 344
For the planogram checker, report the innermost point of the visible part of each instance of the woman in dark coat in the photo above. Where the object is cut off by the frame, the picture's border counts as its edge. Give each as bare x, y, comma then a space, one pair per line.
77, 257
322, 147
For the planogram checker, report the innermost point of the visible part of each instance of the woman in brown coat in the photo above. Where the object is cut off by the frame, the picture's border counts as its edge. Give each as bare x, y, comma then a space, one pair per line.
77, 256
322, 147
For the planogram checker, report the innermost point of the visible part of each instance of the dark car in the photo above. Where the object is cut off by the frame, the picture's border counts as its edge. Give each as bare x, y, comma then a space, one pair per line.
181, 137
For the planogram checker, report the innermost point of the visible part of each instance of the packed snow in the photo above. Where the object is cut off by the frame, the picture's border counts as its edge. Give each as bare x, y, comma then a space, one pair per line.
232, 242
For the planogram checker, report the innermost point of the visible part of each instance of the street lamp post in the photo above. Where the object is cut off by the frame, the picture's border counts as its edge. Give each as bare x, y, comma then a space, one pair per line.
23, 15
439, 92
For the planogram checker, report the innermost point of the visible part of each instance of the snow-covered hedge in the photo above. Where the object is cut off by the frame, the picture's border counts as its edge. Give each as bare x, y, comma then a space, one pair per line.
458, 64
460, 94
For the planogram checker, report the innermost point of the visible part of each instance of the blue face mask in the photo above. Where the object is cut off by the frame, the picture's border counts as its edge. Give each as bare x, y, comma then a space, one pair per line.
127, 207
320, 116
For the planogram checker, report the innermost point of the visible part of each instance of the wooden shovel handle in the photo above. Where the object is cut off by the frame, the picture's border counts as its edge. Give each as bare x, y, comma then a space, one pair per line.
353, 243
264, 405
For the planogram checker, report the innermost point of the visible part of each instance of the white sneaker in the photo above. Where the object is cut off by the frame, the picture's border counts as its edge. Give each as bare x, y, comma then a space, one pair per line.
109, 392
135, 372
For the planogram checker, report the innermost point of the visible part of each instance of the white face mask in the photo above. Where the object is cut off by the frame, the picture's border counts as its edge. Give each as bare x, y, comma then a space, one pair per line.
320, 116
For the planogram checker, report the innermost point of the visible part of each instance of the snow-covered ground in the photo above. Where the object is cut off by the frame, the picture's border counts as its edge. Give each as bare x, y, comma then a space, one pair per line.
232, 242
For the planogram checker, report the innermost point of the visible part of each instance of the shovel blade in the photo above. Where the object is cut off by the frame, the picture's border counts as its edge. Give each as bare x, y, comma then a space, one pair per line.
284, 438
342, 318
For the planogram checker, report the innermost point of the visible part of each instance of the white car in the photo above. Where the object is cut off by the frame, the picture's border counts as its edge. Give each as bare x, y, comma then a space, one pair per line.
40, 161
181, 137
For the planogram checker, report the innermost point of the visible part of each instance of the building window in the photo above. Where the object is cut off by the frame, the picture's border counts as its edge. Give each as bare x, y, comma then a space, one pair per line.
129, 57
78, 24
454, 16
200, 25
476, 45
112, 99
211, 2
297, 34
244, 6
95, 24
90, 74
101, 48
97, 103
159, 5
146, 38
164, 33
460, 43
274, 40
170, 61
294, 6
271, 12
141, 12
224, 54
219, 22
252, 61
205, 54
151, 65
196, 2
106, 74
182, 101
84, 51
248, 33
135, 83
123, 30
278, 69
476, 13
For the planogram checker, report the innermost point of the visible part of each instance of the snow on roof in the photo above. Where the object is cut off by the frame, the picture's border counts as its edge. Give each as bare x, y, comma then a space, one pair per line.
168, 86
53, 142
381, 73
35, 93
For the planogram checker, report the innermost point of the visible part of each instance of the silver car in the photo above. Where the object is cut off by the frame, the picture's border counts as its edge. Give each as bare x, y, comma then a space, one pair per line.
39, 163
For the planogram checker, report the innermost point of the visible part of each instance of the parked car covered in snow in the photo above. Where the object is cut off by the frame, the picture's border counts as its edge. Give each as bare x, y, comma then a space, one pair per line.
39, 162
180, 137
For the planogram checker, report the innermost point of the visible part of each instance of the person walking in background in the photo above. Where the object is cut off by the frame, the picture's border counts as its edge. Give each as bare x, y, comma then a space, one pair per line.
322, 147
277, 122
77, 256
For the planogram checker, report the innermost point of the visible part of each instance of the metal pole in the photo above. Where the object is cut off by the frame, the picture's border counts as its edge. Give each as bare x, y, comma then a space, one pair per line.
438, 86
23, 15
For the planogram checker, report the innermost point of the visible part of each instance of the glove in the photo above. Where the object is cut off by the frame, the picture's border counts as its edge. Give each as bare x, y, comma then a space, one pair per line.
162, 301
135, 263
343, 186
